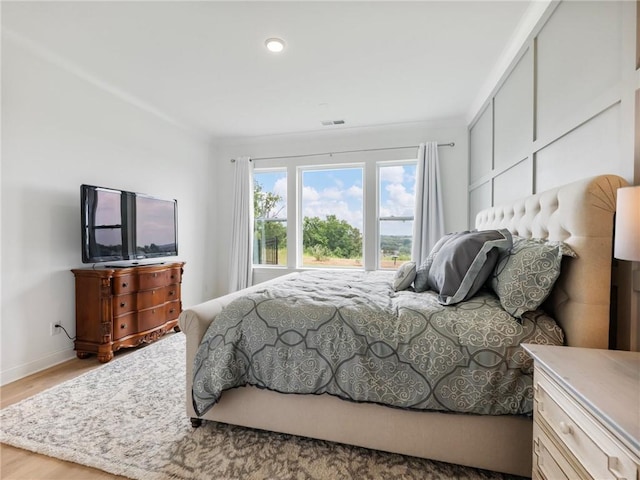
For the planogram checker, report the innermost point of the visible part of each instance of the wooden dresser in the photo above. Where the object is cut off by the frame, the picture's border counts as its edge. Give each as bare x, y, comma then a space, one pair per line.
124, 307
586, 413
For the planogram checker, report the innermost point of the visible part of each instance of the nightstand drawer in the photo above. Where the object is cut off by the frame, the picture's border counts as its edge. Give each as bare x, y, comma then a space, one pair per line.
589, 443
548, 462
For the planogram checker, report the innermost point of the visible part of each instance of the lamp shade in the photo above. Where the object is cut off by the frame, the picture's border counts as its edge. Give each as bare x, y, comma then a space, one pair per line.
627, 244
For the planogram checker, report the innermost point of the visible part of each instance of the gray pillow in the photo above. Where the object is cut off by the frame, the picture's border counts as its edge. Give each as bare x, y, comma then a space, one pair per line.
524, 276
421, 283
462, 262
404, 276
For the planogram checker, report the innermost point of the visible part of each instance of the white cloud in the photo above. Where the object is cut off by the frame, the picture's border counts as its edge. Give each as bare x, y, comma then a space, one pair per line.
280, 188
355, 191
332, 193
340, 209
393, 174
400, 203
310, 194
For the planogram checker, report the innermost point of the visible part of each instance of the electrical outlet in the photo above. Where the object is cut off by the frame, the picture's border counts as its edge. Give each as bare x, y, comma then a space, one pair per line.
53, 329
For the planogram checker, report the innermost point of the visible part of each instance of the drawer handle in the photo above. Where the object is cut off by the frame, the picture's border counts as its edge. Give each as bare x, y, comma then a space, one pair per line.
123, 304
613, 464
171, 292
172, 277
123, 325
125, 284
566, 428
172, 310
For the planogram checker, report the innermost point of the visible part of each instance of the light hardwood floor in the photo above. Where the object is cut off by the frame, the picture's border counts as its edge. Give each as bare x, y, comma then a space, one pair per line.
16, 463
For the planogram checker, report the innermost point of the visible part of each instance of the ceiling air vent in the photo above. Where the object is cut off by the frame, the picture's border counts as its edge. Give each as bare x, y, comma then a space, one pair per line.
326, 123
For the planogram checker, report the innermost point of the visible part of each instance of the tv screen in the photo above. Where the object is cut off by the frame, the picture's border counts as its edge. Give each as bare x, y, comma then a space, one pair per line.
118, 225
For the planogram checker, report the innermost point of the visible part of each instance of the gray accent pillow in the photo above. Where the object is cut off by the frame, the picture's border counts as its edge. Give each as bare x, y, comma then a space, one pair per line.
463, 262
421, 283
404, 276
524, 276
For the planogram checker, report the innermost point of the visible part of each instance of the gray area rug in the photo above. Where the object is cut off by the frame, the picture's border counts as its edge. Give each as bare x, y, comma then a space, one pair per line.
128, 418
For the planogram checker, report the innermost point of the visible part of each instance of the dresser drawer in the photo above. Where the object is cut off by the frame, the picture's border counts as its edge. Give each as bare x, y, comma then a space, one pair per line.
123, 304
151, 280
175, 275
152, 317
151, 298
579, 433
172, 293
173, 310
125, 325
124, 284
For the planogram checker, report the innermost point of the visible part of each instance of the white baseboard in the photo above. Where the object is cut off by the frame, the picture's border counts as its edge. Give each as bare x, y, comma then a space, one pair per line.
21, 371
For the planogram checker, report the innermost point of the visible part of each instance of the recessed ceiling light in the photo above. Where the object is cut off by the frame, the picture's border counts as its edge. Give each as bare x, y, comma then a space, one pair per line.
275, 45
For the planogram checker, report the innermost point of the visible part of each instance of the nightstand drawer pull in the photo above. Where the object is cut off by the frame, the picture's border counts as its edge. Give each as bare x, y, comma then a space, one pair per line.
123, 325
566, 428
123, 304
613, 465
125, 284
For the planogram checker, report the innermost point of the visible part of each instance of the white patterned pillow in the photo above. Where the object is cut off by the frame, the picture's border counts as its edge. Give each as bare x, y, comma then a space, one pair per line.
524, 276
404, 276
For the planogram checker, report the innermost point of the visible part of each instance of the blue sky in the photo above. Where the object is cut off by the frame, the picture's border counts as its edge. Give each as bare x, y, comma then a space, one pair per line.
339, 192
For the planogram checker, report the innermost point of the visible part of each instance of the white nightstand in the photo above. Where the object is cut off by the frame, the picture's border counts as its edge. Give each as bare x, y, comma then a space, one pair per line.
586, 413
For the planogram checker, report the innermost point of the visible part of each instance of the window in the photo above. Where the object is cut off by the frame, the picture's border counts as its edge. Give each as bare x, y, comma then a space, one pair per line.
332, 217
356, 212
396, 207
270, 218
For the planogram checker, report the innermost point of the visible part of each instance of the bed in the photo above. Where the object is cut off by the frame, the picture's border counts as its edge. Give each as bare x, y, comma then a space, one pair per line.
579, 214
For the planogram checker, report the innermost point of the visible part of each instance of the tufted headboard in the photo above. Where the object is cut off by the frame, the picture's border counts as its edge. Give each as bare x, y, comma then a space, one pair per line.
582, 215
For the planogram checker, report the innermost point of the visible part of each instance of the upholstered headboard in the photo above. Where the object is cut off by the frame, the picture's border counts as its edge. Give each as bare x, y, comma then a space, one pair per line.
582, 215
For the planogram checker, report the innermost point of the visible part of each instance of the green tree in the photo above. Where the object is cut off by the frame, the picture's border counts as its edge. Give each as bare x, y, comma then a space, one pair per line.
267, 205
339, 238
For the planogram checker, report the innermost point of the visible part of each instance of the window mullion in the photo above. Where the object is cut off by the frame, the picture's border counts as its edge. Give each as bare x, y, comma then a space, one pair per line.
293, 221
370, 230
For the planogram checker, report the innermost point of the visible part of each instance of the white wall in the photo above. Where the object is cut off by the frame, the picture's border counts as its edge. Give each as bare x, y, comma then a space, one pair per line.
453, 162
564, 110
58, 131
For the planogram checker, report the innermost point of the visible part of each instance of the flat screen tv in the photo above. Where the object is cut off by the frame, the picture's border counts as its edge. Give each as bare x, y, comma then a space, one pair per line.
126, 226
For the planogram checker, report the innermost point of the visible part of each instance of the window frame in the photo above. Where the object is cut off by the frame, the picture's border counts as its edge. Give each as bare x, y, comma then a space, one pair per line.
379, 165
299, 220
285, 219
369, 162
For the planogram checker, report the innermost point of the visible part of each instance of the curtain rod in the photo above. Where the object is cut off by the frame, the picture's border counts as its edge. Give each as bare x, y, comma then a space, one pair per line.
450, 144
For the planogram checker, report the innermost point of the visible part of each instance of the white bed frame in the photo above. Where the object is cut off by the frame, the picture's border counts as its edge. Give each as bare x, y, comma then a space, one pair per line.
580, 214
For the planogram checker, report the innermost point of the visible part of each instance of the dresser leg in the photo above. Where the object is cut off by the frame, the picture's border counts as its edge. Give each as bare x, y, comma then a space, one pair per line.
105, 357
196, 422
176, 328
83, 355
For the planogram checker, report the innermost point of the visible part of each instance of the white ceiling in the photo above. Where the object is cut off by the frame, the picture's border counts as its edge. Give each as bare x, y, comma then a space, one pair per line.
203, 64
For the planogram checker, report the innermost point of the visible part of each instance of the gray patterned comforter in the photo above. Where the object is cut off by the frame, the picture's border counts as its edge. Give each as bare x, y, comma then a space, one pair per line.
350, 335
